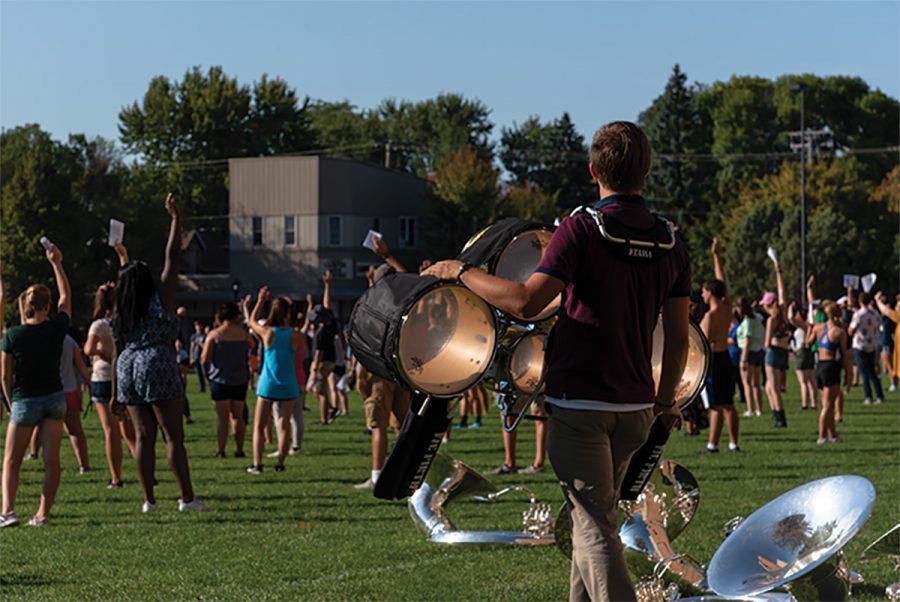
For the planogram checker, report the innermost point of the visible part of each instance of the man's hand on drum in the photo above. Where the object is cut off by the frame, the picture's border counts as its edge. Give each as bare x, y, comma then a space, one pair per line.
444, 270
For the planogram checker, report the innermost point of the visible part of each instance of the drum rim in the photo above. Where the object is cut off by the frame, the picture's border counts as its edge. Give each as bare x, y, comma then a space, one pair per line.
492, 270
396, 362
515, 345
707, 358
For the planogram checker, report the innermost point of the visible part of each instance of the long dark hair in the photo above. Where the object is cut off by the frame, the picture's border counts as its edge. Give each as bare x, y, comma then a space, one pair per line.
134, 290
104, 301
228, 312
280, 313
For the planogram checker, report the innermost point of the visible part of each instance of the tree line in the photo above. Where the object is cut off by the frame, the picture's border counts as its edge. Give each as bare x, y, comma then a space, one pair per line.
722, 167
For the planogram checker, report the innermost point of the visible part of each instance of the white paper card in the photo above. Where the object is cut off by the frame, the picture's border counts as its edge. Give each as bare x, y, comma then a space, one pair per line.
116, 232
868, 281
369, 242
771, 253
851, 281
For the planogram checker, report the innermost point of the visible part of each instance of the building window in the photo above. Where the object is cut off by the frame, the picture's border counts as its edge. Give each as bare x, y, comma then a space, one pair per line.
290, 233
407, 231
257, 231
334, 231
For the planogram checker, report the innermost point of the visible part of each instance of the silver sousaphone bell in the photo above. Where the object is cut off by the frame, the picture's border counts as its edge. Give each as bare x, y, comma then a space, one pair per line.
449, 480
794, 542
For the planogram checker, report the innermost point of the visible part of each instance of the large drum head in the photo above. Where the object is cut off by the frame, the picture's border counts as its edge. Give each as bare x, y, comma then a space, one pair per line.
695, 369
526, 366
518, 260
447, 341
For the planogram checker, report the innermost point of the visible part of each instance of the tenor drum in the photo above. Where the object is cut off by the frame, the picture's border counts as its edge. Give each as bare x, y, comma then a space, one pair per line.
438, 338
526, 364
695, 369
512, 249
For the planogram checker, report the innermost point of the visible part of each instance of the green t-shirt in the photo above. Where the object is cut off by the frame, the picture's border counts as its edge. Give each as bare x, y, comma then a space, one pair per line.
753, 329
36, 349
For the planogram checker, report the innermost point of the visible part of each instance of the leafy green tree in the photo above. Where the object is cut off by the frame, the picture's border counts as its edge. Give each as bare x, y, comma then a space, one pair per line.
464, 200
193, 126
528, 203
552, 157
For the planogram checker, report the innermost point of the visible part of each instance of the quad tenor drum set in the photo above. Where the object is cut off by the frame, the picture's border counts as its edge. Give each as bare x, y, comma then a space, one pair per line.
439, 339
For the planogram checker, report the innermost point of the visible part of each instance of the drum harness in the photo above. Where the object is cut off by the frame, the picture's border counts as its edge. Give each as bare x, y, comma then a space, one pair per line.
628, 243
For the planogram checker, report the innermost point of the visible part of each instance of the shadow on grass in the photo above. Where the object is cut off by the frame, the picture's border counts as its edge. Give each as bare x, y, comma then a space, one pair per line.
26, 580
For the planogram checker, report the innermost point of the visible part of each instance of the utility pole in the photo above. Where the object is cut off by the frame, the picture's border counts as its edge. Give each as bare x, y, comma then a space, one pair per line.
387, 154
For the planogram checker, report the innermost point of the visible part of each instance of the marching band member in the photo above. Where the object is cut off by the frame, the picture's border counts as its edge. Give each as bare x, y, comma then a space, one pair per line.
599, 388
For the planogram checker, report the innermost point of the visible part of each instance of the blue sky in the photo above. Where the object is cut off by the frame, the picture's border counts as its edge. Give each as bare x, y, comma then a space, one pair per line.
71, 66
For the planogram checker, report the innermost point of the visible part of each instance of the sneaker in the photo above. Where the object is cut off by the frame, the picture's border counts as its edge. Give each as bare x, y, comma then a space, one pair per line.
835, 440
8, 520
38, 521
444, 440
147, 508
114, 485
709, 450
459, 425
220, 454
867, 402
821, 441
274, 454
84, 469
194, 504
532, 469
757, 413
254, 469
29, 457
367, 484
240, 454
504, 469
877, 401
279, 468
189, 420
735, 450
892, 389
475, 425
748, 414
295, 451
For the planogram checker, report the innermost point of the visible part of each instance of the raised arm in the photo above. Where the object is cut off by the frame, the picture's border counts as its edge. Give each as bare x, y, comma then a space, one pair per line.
122, 253
169, 275
382, 250
884, 308
810, 289
54, 256
252, 317
327, 279
782, 298
716, 249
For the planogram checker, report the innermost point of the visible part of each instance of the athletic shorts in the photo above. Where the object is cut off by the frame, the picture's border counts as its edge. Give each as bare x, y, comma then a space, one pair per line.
318, 383
220, 392
777, 357
31, 411
720, 380
387, 404
755, 358
73, 401
101, 392
828, 373
804, 359
339, 369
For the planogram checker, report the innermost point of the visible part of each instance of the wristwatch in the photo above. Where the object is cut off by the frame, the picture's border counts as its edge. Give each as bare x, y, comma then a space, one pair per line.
462, 270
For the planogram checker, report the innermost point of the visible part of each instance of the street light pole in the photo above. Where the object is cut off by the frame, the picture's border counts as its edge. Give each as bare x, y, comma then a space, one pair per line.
802, 193
803, 154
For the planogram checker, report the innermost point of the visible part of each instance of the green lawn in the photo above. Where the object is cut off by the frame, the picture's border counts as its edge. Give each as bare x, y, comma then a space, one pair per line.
307, 534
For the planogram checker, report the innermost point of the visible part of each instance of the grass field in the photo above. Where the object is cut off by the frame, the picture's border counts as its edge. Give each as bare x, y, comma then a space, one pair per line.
307, 534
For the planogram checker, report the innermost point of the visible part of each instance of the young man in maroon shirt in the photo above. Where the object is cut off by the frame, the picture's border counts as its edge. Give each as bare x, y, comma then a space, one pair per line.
599, 387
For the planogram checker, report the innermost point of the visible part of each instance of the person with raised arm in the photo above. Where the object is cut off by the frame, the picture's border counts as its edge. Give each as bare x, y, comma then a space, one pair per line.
831, 338
277, 377
777, 343
324, 353
804, 361
33, 350
600, 393
100, 348
720, 380
864, 329
147, 379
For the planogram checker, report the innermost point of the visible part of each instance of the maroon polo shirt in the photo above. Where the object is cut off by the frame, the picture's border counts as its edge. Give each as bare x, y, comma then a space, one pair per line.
601, 344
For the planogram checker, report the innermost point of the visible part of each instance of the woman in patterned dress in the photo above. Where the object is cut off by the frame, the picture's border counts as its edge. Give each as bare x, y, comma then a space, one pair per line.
146, 369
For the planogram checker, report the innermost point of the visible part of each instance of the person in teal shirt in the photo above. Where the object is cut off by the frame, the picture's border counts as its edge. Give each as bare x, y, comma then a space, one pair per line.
750, 337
